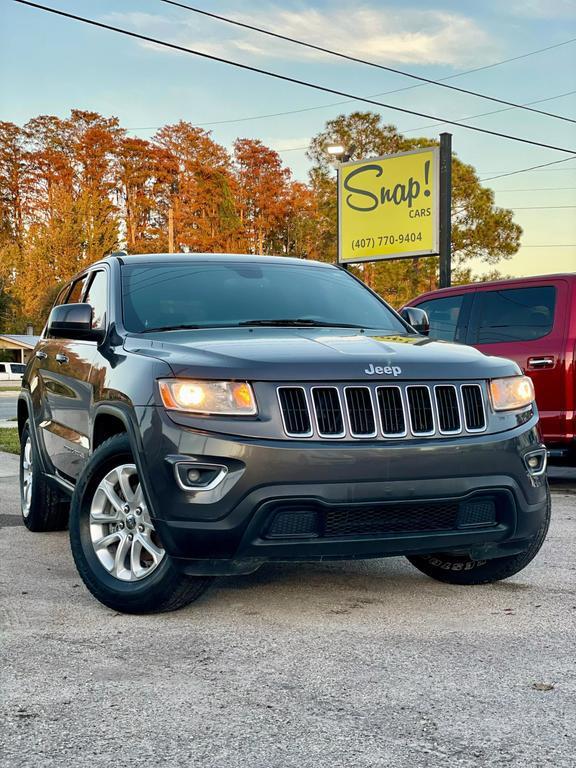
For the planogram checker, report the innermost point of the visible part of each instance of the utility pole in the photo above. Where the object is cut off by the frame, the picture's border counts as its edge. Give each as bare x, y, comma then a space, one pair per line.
445, 210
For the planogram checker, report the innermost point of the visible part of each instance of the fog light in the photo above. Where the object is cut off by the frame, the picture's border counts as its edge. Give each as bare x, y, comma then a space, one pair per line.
199, 477
193, 475
536, 461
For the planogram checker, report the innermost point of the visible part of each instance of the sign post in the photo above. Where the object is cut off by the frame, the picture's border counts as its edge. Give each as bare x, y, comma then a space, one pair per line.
445, 209
396, 207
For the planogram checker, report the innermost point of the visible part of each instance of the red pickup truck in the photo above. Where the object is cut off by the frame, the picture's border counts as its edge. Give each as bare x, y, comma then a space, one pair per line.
530, 320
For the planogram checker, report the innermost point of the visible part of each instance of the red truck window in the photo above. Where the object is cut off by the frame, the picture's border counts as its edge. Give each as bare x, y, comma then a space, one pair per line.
443, 314
517, 314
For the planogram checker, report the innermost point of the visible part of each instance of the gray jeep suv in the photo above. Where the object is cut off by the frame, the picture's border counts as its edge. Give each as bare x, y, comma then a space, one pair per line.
194, 416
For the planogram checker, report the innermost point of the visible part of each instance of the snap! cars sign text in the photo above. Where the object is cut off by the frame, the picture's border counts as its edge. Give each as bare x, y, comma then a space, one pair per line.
388, 206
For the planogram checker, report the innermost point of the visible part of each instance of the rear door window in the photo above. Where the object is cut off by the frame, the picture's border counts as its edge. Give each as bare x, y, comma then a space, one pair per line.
515, 314
446, 315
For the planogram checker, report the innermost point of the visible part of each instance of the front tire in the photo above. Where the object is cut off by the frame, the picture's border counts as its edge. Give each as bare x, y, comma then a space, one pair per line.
457, 569
117, 551
43, 508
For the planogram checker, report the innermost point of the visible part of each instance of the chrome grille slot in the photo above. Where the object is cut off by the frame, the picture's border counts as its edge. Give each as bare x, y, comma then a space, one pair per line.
328, 410
448, 410
473, 407
391, 411
420, 410
294, 408
360, 411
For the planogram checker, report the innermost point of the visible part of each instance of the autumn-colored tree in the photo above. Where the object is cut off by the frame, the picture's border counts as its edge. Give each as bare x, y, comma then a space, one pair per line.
196, 189
263, 194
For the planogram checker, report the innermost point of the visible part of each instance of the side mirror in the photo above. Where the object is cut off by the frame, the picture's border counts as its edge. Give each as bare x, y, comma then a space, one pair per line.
417, 318
73, 321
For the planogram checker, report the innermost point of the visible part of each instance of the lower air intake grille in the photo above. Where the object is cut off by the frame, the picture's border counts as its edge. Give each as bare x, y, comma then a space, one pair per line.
390, 518
473, 407
328, 411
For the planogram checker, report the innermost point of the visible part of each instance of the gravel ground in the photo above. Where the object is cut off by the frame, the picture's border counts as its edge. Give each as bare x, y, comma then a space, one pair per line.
346, 665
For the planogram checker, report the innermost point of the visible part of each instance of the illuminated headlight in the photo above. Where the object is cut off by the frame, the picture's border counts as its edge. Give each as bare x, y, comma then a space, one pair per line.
511, 393
225, 398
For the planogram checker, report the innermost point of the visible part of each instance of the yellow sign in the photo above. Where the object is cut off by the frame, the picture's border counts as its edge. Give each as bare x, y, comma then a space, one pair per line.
388, 207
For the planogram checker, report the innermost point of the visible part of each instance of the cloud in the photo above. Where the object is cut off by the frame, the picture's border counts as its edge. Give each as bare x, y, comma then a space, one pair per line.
386, 35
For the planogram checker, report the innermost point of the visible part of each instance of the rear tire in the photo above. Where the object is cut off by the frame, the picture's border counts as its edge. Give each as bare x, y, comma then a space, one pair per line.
43, 507
457, 569
114, 544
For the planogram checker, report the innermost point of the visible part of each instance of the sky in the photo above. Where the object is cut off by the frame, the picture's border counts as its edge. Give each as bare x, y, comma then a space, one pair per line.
49, 65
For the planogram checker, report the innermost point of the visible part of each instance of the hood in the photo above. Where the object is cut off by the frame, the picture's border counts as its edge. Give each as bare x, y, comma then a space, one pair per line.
314, 354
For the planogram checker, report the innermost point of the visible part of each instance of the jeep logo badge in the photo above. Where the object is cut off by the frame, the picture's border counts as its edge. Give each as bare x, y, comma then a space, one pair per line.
388, 370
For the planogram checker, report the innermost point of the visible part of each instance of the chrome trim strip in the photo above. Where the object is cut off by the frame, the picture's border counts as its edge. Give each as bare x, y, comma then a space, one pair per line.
404, 408
323, 434
200, 488
460, 414
295, 434
363, 436
482, 401
421, 434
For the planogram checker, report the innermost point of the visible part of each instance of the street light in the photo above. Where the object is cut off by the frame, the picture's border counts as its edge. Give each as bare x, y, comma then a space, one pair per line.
340, 152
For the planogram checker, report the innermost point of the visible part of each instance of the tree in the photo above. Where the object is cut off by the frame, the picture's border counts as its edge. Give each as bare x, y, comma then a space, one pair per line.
196, 189
480, 230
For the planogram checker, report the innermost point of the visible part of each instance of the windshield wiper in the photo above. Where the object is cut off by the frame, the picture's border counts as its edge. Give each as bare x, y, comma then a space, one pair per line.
294, 322
182, 327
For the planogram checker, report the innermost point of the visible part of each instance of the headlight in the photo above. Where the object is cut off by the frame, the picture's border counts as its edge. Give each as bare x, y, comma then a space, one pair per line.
511, 393
226, 398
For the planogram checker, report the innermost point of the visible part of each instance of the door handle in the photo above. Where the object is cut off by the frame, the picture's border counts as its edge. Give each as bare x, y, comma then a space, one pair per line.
540, 362
60, 358
41, 355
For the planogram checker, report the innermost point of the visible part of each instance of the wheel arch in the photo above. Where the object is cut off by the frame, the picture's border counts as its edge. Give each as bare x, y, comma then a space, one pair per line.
113, 419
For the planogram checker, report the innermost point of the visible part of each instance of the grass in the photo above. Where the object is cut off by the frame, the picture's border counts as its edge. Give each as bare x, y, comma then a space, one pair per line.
9, 441
10, 389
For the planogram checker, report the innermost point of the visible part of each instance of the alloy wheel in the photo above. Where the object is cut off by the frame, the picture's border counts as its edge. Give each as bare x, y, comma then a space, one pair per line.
27, 477
121, 531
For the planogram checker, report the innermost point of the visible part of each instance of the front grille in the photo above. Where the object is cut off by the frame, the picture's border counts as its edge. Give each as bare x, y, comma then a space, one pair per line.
382, 411
420, 409
294, 411
473, 408
328, 411
448, 411
391, 411
360, 411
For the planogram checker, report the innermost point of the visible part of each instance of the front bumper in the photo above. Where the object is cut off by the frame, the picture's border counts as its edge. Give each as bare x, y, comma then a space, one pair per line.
227, 529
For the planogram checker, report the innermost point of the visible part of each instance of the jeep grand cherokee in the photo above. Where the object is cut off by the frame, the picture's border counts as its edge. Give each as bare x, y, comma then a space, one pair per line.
194, 416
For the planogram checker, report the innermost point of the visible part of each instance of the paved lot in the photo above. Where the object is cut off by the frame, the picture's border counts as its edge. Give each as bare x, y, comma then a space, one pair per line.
8, 402
346, 665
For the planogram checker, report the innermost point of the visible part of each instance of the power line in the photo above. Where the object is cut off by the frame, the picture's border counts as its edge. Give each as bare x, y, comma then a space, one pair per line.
551, 245
533, 168
409, 130
538, 189
540, 207
356, 60
435, 125
286, 78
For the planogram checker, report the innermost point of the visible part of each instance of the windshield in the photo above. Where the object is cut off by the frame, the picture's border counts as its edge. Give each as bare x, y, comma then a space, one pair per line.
210, 295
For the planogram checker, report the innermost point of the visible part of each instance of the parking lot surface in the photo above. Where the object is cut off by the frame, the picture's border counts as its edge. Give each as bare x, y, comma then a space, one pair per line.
346, 665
